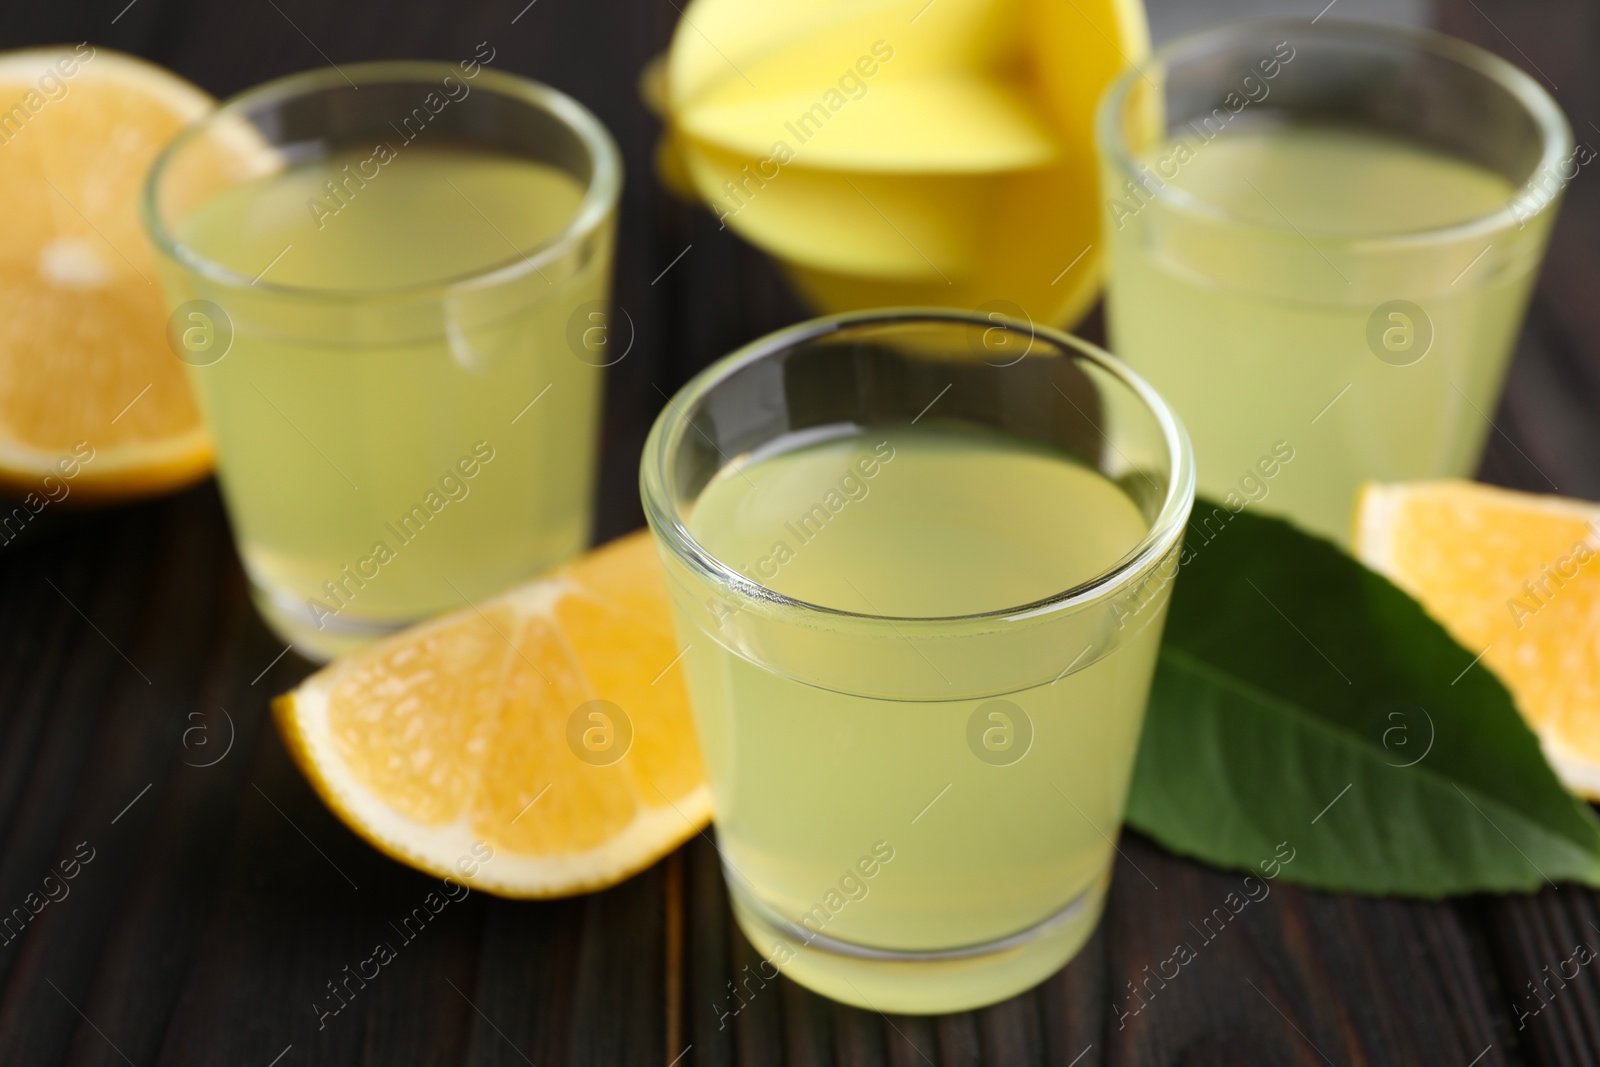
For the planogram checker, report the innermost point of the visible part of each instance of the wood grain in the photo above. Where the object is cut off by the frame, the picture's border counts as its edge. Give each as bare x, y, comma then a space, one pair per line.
223, 904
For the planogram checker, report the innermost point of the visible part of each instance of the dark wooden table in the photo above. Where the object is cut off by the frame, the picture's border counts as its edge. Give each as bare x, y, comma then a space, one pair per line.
221, 899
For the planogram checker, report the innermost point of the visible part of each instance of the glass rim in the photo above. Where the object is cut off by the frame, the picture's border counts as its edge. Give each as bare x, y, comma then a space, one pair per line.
1555, 131
599, 199
1164, 535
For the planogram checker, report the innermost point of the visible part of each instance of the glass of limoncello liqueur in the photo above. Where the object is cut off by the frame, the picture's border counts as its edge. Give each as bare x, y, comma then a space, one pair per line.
390, 282
1323, 238
919, 563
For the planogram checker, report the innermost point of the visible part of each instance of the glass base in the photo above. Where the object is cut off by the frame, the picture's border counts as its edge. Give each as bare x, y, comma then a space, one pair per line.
921, 982
289, 619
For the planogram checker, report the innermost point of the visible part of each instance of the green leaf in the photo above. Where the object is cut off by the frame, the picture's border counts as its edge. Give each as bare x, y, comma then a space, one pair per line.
1300, 697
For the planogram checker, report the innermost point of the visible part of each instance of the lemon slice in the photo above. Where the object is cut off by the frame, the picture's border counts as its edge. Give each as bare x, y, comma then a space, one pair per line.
1515, 576
549, 727
83, 352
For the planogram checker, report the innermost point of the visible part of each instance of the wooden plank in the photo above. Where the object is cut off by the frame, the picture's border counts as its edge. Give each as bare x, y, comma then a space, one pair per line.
300, 900
911, 1041
1547, 947
807, 1028
1546, 430
858, 1037
758, 1025
618, 997
523, 986
101, 770
1073, 1007
37, 642
1274, 973
212, 738
1012, 1032
711, 1010
960, 1044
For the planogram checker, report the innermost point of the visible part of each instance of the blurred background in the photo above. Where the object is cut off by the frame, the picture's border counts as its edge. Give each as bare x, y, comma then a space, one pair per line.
1169, 18
225, 48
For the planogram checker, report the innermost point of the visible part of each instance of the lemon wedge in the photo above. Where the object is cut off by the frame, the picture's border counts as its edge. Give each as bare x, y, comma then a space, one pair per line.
547, 728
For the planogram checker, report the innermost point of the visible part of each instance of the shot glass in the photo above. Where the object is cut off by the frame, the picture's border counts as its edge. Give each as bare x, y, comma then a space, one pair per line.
1323, 237
389, 282
918, 746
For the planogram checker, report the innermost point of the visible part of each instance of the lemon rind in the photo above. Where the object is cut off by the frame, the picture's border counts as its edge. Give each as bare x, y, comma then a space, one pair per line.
654, 833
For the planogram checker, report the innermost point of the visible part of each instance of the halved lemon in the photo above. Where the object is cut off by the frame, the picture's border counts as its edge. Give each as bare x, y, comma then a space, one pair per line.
1515, 576
84, 362
548, 727
902, 152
